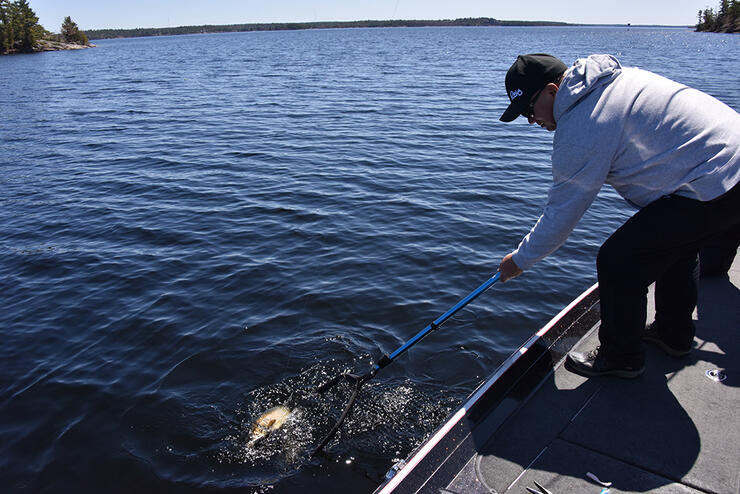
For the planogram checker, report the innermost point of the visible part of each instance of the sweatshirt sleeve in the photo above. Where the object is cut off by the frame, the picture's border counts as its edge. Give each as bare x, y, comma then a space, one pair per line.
578, 174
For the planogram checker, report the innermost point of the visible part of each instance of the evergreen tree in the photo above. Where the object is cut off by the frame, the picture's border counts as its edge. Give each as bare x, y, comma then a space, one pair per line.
27, 21
4, 28
723, 15
726, 19
71, 33
724, 6
9, 26
734, 13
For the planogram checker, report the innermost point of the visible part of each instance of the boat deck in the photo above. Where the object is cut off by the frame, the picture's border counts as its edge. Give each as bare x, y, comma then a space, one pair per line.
675, 429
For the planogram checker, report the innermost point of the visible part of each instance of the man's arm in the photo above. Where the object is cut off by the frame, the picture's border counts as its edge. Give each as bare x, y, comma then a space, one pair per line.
577, 178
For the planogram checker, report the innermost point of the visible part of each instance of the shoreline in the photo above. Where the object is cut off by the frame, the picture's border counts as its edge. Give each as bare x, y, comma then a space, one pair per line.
98, 34
48, 45
300, 26
45, 45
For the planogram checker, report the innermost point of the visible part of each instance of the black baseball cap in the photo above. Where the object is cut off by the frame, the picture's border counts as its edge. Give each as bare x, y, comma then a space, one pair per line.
529, 74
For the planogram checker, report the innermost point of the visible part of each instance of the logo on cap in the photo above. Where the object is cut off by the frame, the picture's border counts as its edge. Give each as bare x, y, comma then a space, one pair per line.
515, 94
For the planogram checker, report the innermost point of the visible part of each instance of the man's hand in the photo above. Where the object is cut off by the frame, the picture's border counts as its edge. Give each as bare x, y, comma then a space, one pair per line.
508, 268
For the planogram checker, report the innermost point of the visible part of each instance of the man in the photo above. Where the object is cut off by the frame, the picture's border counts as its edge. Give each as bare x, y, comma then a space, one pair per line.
671, 151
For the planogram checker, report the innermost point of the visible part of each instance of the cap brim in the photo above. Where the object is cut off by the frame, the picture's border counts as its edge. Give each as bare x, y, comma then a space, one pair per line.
511, 113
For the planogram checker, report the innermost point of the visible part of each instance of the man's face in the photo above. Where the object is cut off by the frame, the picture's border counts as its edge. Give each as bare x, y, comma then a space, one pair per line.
542, 104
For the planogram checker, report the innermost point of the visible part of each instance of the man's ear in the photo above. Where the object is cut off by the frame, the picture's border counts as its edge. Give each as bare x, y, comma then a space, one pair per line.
552, 87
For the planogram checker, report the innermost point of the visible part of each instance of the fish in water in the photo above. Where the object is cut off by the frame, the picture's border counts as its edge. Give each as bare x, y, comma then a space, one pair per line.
271, 420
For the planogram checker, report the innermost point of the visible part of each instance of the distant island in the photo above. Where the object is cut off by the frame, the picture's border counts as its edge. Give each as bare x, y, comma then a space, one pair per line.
291, 26
20, 31
725, 20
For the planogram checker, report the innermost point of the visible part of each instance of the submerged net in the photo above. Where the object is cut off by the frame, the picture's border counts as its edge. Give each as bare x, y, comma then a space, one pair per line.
388, 420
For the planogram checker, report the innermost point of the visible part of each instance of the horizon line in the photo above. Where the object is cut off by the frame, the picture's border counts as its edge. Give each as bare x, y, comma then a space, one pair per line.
498, 22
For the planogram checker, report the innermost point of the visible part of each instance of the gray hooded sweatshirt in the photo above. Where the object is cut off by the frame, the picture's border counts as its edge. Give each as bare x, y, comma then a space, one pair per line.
643, 134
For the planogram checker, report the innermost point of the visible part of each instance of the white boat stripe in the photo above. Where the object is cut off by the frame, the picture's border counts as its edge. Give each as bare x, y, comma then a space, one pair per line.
431, 443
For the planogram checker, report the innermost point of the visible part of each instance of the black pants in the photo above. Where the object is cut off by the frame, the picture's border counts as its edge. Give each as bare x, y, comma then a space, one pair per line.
658, 244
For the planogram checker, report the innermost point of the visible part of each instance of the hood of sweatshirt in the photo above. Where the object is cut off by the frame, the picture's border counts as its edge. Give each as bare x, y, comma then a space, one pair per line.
586, 75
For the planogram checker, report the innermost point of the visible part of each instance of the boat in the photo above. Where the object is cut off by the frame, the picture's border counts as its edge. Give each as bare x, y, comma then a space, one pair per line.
533, 426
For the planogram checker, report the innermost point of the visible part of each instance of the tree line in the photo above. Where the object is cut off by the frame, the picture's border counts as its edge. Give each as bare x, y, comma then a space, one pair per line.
725, 20
20, 31
19, 27
288, 26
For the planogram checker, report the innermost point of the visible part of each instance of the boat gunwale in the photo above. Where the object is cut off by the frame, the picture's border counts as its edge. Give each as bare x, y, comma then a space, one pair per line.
438, 459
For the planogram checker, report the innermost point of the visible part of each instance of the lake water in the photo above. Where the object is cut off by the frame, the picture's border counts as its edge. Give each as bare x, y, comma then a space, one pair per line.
194, 228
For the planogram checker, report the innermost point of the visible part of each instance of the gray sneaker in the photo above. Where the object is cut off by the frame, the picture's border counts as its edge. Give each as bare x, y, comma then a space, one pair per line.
652, 335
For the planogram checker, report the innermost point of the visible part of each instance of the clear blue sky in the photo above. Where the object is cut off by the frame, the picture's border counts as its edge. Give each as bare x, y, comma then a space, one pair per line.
98, 14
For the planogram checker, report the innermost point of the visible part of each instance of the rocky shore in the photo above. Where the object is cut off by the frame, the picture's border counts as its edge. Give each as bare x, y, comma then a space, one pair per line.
48, 45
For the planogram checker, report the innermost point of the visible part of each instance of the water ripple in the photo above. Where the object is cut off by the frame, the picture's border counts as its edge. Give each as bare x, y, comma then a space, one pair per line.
198, 227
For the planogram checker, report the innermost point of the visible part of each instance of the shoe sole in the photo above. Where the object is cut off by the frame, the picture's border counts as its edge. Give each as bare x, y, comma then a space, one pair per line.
623, 373
668, 350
